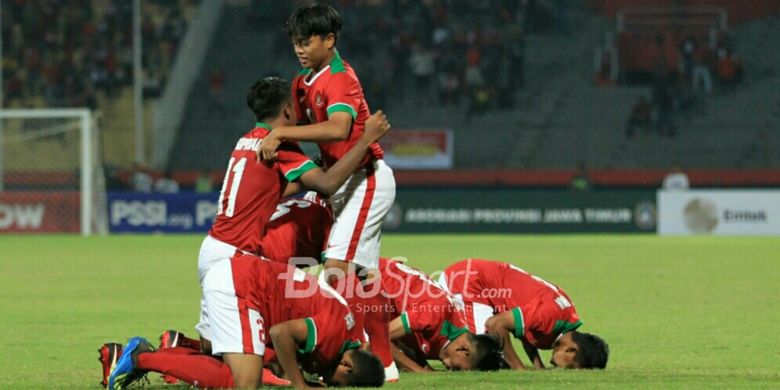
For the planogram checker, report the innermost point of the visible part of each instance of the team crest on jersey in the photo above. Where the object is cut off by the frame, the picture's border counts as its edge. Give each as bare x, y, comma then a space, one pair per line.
350, 320
318, 100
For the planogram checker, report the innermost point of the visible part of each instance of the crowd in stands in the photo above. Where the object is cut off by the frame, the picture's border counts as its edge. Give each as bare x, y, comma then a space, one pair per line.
683, 72
62, 53
436, 51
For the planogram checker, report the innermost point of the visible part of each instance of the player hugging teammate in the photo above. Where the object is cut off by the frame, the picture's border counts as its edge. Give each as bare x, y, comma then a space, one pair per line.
358, 323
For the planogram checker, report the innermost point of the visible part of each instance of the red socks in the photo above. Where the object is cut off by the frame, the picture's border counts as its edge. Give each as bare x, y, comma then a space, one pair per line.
188, 365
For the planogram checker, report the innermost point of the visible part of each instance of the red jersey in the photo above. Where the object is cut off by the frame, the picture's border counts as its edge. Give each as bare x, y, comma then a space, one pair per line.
280, 293
298, 228
427, 311
542, 310
335, 88
251, 190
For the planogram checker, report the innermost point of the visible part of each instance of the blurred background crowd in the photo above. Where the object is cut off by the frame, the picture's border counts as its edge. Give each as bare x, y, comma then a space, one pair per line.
522, 84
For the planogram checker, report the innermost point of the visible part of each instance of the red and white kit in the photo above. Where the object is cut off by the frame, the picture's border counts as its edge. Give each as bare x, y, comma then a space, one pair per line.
362, 202
430, 317
542, 310
298, 230
250, 193
267, 293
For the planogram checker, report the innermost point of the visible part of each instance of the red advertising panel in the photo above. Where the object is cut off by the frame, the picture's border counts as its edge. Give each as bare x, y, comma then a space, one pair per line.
39, 212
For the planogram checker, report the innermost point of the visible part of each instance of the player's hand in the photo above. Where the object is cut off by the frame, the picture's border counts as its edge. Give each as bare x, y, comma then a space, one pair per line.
376, 127
268, 147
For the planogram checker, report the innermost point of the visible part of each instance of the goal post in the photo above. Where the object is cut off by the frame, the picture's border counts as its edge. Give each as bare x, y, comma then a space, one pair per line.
51, 175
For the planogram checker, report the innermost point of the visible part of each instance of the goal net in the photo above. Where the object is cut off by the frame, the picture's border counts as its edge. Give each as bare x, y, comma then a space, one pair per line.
51, 175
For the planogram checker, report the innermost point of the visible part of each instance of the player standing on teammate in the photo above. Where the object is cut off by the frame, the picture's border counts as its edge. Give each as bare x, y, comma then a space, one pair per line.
250, 193
502, 299
330, 104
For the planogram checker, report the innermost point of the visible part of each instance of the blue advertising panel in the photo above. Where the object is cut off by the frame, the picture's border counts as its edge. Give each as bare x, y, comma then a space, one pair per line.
184, 212
424, 210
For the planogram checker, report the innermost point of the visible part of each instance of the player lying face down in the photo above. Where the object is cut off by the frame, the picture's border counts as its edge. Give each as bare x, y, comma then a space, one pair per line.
309, 324
428, 325
503, 300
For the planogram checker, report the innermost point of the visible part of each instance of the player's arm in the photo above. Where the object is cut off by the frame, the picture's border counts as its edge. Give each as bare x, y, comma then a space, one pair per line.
292, 189
533, 355
286, 337
398, 329
510, 356
327, 183
405, 362
336, 128
503, 325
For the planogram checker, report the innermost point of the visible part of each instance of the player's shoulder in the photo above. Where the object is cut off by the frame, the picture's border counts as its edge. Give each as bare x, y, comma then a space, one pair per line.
259, 131
300, 76
339, 65
291, 146
465, 263
341, 70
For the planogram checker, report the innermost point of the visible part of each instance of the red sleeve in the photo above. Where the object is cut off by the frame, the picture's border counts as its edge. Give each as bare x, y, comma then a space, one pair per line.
344, 94
532, 319
292, 162
328, 335
540, 321
420, 319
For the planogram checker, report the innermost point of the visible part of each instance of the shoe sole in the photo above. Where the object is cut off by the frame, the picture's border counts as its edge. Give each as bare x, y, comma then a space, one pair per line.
114, 351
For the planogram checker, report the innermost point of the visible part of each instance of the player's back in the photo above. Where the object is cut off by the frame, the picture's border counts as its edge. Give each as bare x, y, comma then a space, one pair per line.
251, 190
284, 292
298, 228
332, 325
405, 285
335, 88
471, 277
543, 309
495, 283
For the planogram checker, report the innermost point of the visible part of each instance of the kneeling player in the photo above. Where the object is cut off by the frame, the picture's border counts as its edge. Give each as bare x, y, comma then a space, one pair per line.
502, 299
307, 323
428, 325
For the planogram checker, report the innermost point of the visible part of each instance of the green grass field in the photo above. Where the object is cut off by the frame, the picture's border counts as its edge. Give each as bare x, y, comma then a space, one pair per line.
694, 312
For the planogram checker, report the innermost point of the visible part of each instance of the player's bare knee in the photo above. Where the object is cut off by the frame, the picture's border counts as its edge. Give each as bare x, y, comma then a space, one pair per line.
246, 369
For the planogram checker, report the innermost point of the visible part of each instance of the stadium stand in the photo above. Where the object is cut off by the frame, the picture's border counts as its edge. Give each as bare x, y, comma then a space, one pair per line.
537, 85
559, 116
79, 54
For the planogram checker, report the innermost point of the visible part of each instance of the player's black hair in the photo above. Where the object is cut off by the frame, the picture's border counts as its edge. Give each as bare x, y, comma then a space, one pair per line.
313, 19
593, 351
367, 370
267, 97
486, 352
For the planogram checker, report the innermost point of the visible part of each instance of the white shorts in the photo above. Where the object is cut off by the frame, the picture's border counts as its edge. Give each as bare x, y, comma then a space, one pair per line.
476, 313
360, 206
225, 320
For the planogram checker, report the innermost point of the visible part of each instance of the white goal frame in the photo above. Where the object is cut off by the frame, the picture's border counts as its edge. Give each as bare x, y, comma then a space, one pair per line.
86, 153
